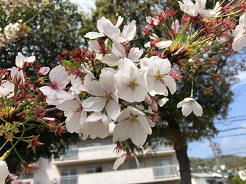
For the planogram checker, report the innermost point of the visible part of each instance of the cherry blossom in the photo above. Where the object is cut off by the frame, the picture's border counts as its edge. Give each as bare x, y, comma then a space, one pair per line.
106, 28
152, 21
106, 95
240, 34
6, 88
119, 52
188, 105
96, 125
17, 75
132, 124
20, 60
192, 9
158, 43
131, 81
75, 114
158, 76
58, 81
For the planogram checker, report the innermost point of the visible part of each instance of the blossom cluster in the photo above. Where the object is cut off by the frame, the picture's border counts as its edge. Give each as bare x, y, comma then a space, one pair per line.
114, 84
11, 5
11, 32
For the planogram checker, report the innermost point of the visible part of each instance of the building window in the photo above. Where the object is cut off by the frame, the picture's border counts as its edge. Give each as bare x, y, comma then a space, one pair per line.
71, 153
69, 176
95, 169
163, 169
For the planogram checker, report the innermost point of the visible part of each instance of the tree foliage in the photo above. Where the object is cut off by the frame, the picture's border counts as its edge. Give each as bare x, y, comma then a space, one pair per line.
52, 29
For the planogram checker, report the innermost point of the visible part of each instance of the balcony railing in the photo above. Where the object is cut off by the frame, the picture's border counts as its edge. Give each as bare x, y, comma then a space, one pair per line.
88, 154
69, 179
142, 175
165, 171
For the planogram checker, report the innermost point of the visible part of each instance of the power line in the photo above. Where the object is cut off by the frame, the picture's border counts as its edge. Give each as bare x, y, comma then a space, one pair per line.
234, 149
235, 117
236, 153
230, 129
233, 135
231, 121
230, 150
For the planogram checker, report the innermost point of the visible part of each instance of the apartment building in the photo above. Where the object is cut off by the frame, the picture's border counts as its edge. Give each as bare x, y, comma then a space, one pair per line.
91, 162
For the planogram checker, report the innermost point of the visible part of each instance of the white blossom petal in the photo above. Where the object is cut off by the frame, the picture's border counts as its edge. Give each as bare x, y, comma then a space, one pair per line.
95, 104
113, 109
197, 109
163, 44
186, 110
110, 59
135, 54
162, 102
94, 35
4, 171
170, 82
119, 21
129, 31
48, 91
118, 49
119, 161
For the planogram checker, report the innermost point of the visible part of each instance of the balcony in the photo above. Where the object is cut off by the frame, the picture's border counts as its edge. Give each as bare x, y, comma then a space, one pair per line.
142, 175
97, 153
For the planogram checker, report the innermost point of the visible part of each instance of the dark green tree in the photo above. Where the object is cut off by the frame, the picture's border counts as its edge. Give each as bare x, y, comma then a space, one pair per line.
52, 28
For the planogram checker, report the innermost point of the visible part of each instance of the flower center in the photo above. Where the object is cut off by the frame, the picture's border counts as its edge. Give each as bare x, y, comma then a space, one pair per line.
54, 85
158, 76
80, 109
107, 96
133, 118
133, 84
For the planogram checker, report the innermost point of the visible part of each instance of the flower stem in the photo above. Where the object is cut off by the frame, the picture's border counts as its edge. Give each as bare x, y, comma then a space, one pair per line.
192, 88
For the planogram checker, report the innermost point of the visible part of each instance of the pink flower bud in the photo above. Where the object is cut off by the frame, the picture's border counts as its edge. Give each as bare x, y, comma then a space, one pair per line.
154, 106
44, 70
148, 100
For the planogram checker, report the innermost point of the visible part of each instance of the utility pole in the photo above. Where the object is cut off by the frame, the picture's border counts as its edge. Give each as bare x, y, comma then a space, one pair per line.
217, 160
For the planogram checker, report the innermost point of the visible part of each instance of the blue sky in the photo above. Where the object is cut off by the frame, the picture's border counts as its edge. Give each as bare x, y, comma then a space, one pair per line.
229, 145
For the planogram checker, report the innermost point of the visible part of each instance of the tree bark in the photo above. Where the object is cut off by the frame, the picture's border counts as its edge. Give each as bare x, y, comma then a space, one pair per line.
184, 162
